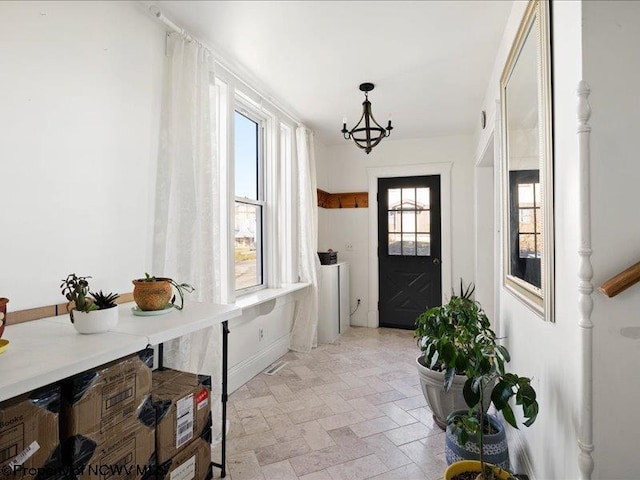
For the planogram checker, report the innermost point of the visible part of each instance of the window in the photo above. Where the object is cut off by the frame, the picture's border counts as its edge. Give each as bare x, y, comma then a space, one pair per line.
409, 213
526, 226
249, 201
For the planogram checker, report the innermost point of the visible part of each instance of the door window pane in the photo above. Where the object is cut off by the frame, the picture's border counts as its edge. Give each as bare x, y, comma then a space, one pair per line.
422, 197
423, 245
395, 244
408, 244
395, 224
408, 198
409, 222
423, 221
394, 199
527, 245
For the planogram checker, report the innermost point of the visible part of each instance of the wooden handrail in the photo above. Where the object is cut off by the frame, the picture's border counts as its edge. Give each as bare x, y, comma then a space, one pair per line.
621, 281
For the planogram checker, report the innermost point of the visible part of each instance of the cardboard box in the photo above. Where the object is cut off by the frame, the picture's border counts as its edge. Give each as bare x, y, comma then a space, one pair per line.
126, 451
192, 463
183, 410
102, 398
29, 433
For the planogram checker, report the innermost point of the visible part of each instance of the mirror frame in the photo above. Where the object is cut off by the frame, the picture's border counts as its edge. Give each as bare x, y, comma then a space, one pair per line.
537, 21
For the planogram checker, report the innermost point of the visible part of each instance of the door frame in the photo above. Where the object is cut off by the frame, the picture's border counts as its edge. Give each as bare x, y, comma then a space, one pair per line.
444, 170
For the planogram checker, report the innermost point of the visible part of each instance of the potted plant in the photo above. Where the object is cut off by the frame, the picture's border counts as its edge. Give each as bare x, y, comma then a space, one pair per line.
89, 312
447, 335
156, 293
470, 431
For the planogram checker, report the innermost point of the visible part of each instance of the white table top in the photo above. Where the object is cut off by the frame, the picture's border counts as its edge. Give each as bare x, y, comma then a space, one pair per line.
47, 350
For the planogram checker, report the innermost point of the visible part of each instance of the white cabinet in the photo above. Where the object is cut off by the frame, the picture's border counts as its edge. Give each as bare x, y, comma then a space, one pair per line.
333, 302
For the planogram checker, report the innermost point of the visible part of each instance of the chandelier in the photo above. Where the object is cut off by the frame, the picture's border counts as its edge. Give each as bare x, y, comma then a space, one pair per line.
372, 131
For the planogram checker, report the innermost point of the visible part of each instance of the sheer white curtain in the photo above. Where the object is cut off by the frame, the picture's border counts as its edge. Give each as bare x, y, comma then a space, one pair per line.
304, 333
187, 223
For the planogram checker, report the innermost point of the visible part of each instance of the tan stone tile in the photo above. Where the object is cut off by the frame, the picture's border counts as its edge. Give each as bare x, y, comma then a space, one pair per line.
358, 469
368, 372
425, 416
258, 387
345, 437
265, 401
386, 451
321, 459
309, 414
321, 475
378, 385
276, 421
315, 436
336, 403
407, 472
358, 392
340, 420
331, 387
304, 372
244, 466
250, 442
252, 421
280, 471
365, 408
282, 408
373, 426
412, 403
408, 433
281, 451
383, 397
352, 379
431, 465
435, 442
397, 414
395, 375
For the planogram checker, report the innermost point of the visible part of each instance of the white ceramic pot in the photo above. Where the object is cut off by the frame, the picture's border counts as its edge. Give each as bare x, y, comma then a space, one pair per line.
97, 321
443, 403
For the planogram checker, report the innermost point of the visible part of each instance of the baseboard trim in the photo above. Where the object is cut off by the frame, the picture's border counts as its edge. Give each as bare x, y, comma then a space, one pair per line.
247, 369
518, 451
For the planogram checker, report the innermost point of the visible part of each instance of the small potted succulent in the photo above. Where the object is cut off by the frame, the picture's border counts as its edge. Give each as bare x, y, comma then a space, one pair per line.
153, 293
90, 312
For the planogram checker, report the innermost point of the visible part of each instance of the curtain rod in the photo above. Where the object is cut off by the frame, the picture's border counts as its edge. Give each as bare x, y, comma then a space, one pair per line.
155, 11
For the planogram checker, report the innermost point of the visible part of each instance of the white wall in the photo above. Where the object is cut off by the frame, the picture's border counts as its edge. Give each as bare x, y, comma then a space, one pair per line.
549, 352
343, 168
81, 88
611, 41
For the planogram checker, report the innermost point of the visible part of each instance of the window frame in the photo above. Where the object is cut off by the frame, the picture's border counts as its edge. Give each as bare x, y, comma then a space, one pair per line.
247, 110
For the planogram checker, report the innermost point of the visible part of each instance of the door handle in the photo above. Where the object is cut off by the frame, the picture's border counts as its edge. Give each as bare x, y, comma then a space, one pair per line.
436, 261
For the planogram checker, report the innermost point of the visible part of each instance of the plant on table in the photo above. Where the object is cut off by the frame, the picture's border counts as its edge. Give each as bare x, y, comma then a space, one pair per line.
82, 301
159, 296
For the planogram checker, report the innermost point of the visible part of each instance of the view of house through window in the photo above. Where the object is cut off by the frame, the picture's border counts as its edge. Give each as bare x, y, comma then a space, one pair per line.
409, 222
249, 202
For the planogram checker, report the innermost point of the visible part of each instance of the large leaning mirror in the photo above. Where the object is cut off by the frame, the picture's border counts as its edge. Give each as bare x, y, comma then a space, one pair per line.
528, 164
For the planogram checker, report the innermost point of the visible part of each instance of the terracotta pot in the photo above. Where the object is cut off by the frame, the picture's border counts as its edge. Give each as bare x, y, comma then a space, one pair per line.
3, 314
96, 321
150, 296
472, 466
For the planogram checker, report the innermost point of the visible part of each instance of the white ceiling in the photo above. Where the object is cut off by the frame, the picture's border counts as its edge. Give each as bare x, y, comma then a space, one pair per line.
430, 60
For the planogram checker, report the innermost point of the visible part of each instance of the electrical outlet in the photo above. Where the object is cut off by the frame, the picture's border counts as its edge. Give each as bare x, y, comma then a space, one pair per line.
260, 334
348, 246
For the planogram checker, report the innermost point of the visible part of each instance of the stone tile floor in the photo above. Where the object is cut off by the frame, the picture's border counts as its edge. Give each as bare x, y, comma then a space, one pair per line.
349, 411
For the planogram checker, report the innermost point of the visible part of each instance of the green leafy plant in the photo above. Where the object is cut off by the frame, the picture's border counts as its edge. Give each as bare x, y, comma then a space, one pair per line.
181, 288
104, 300
457, 338
76, 289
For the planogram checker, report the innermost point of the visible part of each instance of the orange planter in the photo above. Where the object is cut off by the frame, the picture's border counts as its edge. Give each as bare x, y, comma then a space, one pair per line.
150, 296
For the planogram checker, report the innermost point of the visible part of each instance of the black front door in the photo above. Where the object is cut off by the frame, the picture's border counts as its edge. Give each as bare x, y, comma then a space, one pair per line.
409, 247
